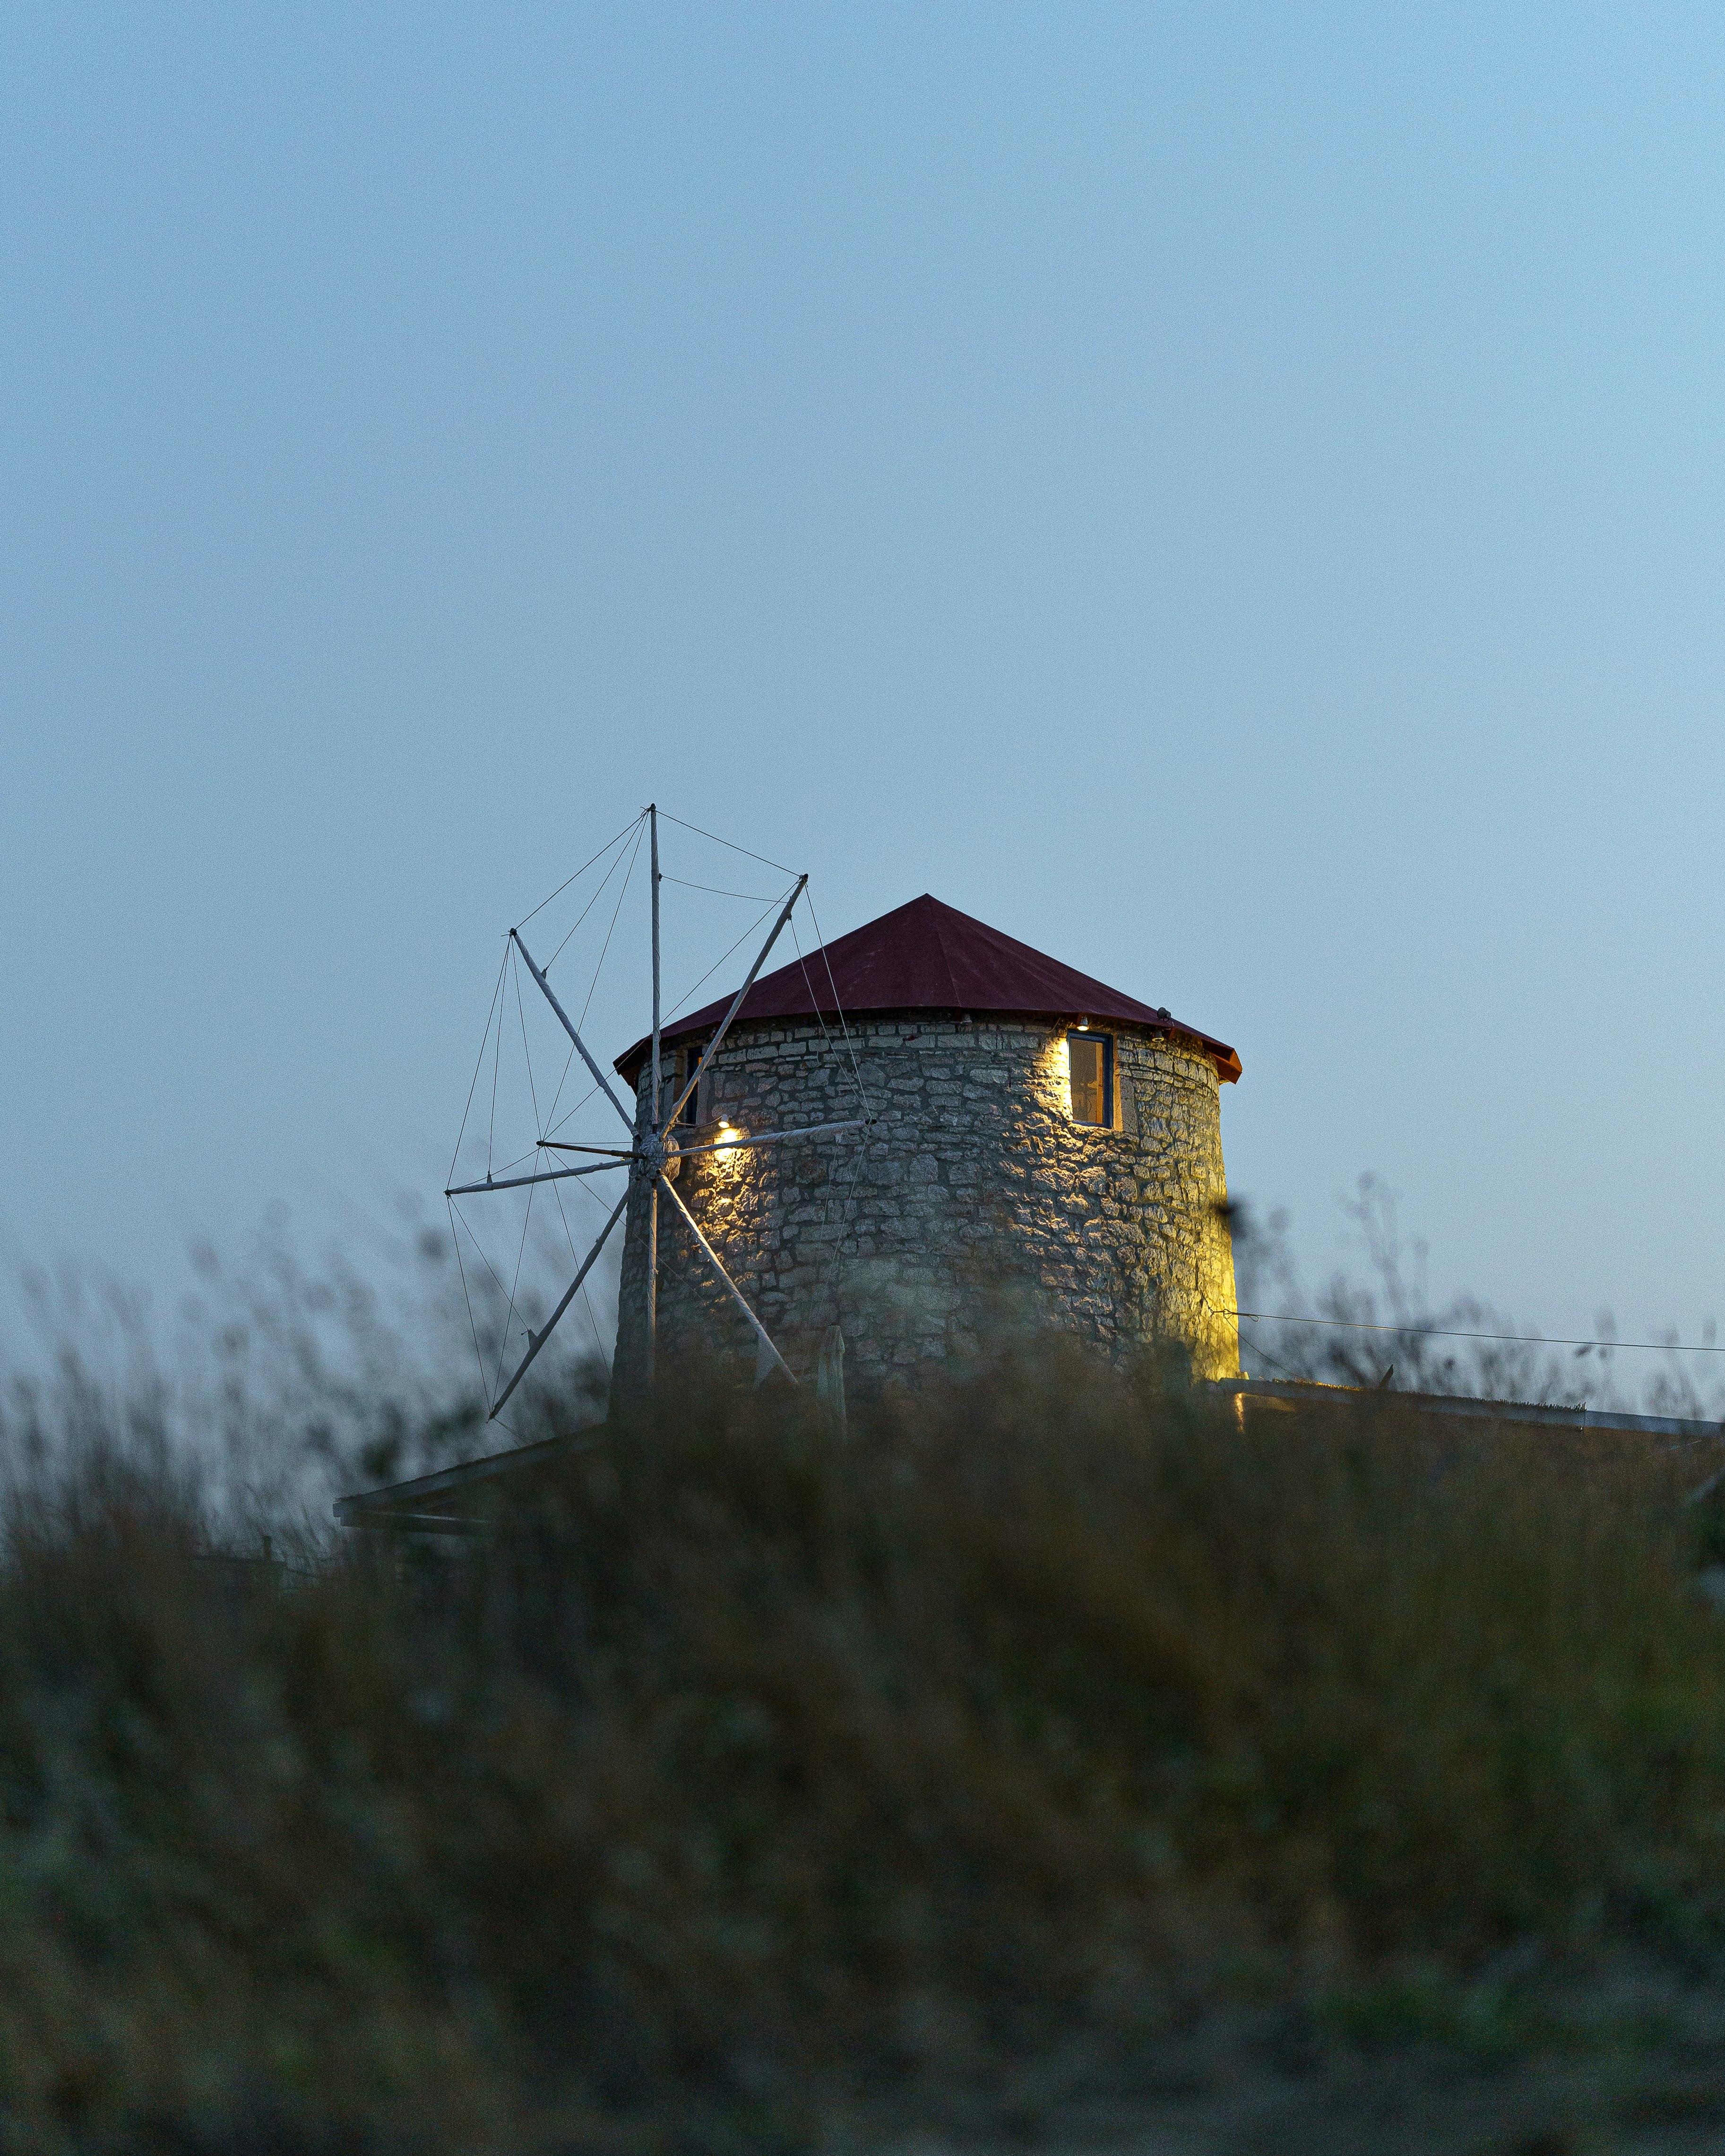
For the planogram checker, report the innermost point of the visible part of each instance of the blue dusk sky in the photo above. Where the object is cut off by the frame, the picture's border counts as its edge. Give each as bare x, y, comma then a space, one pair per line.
1232, 495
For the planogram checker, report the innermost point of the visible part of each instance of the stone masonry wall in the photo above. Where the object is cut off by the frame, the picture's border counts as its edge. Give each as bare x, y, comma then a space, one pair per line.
972, 1207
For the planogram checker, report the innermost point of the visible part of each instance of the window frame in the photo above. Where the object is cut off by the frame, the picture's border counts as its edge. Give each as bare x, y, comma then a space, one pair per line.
1105, 1041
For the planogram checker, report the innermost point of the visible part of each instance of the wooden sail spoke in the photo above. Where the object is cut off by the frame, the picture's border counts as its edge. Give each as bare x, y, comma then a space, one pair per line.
704, 1061
569, 1026
536, 1341
737, 1294
545, 1175
773, 1137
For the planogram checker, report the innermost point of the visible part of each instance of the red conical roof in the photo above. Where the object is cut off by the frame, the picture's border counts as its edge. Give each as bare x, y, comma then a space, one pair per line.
925, 955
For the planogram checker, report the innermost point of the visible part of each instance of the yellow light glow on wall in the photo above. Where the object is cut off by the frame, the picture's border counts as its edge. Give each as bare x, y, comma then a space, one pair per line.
1057, 1075
729, 1158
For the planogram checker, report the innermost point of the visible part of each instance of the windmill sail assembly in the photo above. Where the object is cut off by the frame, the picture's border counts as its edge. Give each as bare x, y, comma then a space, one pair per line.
873, 1157
653, 1157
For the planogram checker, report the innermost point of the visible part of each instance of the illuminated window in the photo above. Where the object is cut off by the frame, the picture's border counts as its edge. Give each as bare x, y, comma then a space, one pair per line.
1090, 1062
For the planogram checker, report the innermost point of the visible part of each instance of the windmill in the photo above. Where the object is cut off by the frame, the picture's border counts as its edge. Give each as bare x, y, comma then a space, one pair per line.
651, 1156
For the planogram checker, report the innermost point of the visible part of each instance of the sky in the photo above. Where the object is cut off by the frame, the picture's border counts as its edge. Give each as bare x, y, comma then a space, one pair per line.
1233, 496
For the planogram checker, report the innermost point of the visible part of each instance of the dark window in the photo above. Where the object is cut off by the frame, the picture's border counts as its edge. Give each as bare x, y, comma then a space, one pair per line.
688, 1061
675, 1076
1090, 1061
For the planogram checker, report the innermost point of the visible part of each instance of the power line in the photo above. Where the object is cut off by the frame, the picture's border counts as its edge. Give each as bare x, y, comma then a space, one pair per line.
1416, 1328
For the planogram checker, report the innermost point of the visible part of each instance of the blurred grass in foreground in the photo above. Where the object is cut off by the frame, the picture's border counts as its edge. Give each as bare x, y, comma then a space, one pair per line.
737, 1770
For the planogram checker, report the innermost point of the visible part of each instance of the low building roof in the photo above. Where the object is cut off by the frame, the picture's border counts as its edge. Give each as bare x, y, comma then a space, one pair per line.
453, 1501
926, 956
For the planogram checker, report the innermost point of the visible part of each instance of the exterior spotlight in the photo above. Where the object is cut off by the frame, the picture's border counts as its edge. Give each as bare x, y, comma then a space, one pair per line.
1084, 1025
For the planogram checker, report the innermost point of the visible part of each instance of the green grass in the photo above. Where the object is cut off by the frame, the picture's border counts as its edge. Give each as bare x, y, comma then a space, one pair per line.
732, 1769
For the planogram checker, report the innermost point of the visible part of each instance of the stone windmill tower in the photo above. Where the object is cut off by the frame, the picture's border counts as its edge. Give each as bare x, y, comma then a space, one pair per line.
1039, 1149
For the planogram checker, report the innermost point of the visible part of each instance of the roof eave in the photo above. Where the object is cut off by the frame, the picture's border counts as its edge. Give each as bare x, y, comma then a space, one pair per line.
628, 1066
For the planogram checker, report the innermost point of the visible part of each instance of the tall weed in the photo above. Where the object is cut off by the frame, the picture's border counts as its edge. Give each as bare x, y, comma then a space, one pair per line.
723, 1764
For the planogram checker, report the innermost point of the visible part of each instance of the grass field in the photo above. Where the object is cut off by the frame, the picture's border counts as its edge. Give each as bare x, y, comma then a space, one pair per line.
731, 1781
